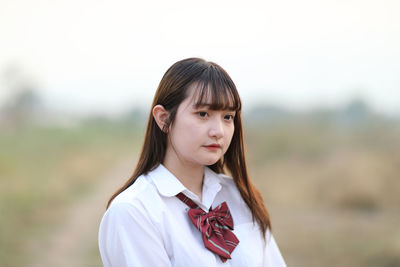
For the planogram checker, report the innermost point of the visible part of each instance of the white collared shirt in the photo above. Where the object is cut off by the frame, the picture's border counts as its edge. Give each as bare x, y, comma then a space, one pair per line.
147, 226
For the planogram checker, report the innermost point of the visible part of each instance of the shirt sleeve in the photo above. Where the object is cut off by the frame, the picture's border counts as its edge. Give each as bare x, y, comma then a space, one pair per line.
272, 255
127, 237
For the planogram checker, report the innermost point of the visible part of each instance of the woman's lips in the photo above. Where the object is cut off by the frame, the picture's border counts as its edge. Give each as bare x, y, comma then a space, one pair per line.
213, 146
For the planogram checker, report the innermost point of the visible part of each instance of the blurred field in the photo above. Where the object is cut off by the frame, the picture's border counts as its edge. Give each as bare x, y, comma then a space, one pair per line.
45, 169
332, 188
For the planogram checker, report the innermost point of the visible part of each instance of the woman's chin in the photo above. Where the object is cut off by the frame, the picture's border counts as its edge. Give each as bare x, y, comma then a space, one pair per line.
211, 162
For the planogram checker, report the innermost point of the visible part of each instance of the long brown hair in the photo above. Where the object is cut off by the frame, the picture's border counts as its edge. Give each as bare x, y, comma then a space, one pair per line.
211, 82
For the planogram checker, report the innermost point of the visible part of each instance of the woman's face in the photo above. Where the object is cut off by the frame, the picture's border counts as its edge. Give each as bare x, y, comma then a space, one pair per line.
198, 135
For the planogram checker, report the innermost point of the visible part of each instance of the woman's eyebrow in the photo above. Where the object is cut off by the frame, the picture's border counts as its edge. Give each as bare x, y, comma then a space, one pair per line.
208, 106
201, 105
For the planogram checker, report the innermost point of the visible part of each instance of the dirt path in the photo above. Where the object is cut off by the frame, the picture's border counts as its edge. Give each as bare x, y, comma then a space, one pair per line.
74, 243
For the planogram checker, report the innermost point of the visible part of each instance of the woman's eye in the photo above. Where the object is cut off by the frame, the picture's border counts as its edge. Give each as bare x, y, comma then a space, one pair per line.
229, 117
202, 114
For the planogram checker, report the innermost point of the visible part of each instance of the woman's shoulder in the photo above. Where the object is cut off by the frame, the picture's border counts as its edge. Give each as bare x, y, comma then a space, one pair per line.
134, 193
139, 200
141, 195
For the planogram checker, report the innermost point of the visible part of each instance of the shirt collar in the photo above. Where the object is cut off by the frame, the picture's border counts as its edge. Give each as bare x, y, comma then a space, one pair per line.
168, 185
211, 179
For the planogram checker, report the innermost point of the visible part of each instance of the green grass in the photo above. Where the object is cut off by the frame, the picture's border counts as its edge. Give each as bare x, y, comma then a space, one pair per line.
333, 192
43, 168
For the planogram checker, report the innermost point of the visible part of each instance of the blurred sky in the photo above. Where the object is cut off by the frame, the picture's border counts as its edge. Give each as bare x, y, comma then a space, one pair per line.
105, 55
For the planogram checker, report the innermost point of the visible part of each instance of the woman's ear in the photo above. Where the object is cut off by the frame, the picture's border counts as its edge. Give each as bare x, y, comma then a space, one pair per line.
161, 116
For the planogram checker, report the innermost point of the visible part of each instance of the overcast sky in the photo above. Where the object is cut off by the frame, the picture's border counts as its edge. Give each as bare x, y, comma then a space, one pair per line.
109, 56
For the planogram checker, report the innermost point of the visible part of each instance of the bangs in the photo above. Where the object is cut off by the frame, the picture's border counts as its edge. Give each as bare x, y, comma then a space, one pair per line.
216, 90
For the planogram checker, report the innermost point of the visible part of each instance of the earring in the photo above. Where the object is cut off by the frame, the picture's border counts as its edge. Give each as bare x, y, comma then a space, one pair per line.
165, 128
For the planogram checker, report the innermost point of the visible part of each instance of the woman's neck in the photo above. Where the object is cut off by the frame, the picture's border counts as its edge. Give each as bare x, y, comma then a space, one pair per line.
191, 176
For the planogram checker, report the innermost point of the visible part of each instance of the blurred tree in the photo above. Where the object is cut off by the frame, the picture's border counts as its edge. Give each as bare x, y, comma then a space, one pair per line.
356, 113
23, 104
357, 110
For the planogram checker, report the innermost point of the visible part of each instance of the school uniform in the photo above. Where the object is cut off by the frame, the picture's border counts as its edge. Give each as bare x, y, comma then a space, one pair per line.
148, 226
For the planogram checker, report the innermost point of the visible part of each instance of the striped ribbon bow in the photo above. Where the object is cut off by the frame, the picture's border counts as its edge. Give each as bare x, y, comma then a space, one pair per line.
216, 227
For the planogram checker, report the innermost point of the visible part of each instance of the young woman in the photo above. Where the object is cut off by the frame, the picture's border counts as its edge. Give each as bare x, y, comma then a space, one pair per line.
179, 208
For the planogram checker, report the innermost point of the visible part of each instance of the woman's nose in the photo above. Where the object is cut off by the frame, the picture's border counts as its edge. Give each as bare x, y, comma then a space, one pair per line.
216, 129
